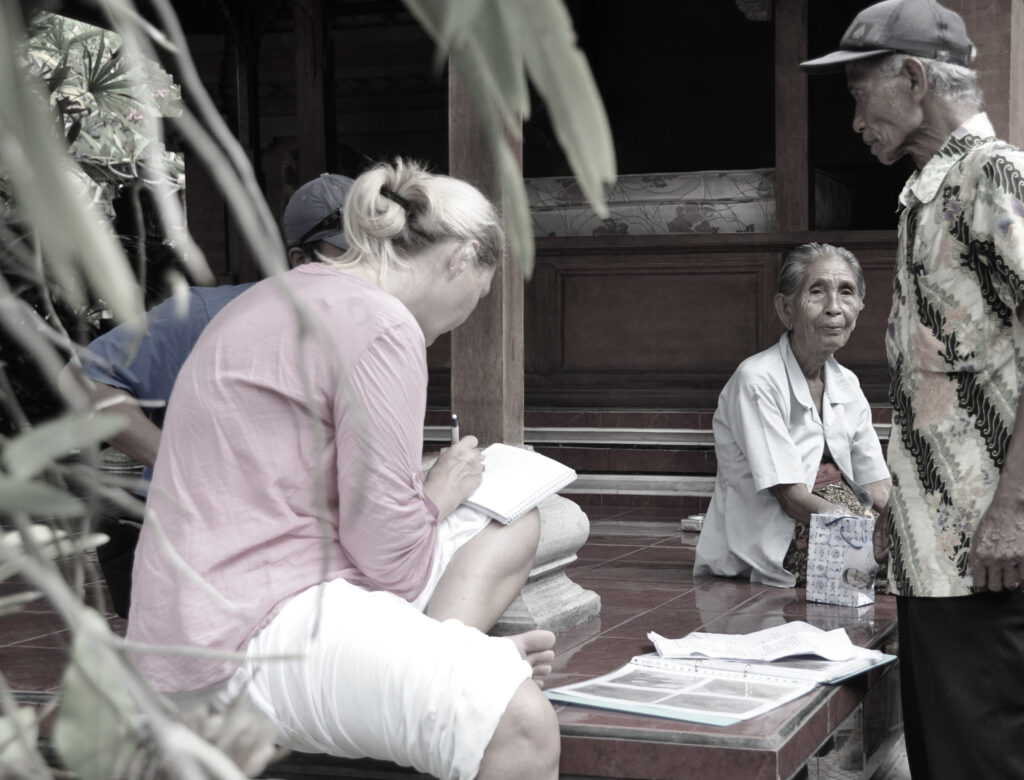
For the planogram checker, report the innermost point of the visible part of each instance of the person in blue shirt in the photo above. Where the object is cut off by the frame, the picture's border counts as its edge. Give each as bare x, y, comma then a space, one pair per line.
134, 376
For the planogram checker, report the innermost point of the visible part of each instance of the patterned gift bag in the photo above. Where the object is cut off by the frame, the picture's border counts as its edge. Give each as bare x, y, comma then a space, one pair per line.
841, 563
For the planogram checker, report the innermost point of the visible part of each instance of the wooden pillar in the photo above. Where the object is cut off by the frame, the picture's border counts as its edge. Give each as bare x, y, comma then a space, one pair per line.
486, 350
205, 208
247, 48
1015, 132
793, 184
996, 29
247, 39
313, 70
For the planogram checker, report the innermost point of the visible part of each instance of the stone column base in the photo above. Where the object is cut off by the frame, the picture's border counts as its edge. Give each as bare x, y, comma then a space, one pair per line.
550, 599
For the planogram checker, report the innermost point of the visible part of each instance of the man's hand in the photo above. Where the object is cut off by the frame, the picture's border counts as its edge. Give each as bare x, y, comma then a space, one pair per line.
881, 537
997, 549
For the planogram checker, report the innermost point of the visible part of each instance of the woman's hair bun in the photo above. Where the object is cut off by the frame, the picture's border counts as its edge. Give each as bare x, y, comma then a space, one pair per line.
395, 210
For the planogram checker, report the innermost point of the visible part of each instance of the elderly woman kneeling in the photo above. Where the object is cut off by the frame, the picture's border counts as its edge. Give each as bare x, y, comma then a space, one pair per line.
793, 431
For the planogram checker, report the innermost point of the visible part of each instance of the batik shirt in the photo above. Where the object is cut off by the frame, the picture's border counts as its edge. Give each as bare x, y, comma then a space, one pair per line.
956, 354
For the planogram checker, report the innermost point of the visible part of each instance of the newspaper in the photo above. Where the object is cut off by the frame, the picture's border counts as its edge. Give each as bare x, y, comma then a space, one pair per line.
722, 690
771, 644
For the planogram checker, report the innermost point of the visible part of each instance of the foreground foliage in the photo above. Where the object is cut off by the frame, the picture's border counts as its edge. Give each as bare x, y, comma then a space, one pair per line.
83, 115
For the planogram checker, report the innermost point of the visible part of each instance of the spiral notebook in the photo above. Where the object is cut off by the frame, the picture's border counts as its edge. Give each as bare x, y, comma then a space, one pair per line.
516, 480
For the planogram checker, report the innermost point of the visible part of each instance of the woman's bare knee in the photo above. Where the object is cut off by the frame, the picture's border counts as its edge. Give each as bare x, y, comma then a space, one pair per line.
508, 549
526, 742
528, 536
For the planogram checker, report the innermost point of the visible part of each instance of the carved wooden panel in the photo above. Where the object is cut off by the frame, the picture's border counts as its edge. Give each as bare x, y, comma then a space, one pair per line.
660, 318
662, 321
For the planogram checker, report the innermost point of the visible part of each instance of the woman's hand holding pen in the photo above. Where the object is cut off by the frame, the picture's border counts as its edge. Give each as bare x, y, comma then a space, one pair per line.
457, 472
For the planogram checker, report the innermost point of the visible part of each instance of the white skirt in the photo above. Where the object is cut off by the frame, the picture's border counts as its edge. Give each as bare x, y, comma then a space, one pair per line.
374, 677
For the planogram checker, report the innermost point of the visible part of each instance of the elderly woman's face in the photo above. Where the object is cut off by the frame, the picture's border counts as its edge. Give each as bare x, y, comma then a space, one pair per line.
823, 312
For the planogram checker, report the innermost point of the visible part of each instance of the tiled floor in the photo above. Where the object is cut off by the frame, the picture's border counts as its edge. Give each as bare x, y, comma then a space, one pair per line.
636, 559
640, 565
34, 641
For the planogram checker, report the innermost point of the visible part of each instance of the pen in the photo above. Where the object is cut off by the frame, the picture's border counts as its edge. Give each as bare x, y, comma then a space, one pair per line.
455, 429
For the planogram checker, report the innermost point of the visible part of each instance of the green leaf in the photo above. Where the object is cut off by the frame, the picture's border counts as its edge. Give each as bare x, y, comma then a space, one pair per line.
70, 231
434, 17
37, 499
475, 32
14, 603
33, 451
516, 208
515, 205
51, 543
563, 79
446, 22
501, 60
493, 44
456, 19
93, 732
18, 735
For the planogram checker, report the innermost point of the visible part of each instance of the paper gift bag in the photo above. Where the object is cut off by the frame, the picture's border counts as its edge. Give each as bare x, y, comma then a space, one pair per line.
841, 565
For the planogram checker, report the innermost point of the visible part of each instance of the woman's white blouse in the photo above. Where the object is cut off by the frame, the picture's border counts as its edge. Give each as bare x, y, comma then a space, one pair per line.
768, 432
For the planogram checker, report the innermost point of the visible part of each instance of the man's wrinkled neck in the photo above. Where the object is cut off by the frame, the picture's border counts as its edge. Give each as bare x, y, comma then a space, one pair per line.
941, 118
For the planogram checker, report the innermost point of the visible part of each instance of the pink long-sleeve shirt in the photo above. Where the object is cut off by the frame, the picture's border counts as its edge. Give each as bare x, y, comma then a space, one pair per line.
271, 423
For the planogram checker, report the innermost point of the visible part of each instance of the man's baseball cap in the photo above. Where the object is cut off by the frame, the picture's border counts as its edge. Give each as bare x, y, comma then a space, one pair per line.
314, 212
922, 28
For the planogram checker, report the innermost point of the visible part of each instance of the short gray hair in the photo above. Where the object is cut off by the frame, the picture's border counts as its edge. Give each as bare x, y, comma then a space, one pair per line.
794, 268
953, 83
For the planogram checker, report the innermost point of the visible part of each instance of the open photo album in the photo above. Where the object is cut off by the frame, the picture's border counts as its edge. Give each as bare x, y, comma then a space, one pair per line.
722, 691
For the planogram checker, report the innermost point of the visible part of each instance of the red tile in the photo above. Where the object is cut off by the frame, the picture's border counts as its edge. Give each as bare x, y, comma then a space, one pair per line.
24, 626
599, 656
637, 572
57, 640
32, 669
601, 553
671, 552
673, 619
636, 561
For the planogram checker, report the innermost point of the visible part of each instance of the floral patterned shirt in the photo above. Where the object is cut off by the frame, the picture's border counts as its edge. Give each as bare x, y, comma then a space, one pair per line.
956, 354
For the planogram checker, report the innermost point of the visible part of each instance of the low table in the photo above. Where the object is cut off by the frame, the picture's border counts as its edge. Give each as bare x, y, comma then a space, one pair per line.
864, 711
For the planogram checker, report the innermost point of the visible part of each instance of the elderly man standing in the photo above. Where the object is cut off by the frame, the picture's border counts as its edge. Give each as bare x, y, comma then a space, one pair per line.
955, 346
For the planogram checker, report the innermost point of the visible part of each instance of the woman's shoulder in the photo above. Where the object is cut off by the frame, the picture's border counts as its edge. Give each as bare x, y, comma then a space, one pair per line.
763, 372
330, 284
766, 366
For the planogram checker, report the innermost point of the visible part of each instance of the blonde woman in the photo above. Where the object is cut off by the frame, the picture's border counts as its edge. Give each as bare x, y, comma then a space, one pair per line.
289, 480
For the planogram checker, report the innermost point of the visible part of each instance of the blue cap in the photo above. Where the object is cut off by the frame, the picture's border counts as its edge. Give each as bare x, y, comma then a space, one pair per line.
314, 212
